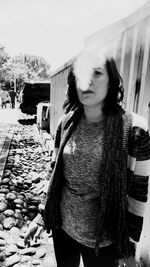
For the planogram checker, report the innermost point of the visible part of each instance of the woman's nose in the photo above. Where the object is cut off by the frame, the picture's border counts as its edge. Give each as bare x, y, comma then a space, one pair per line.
90, 83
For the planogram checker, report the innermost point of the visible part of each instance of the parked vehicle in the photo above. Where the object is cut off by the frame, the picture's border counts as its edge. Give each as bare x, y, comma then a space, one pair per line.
43, 116
33, 93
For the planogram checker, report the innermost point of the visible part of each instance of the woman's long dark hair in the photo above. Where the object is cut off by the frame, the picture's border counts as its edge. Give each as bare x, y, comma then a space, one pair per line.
114, 98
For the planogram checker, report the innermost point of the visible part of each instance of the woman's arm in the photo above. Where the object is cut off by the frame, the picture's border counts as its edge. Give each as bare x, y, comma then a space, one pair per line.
139, 172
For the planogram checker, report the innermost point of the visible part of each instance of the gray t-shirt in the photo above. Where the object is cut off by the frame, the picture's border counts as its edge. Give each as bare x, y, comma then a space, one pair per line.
80, 197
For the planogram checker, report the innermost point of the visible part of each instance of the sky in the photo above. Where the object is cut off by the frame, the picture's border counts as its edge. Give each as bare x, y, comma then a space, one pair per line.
55, 29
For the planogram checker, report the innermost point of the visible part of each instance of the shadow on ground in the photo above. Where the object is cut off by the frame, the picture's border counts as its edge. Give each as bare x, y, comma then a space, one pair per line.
27, 121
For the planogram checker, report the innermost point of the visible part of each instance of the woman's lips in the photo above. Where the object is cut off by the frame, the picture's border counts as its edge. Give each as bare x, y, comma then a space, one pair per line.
87, 92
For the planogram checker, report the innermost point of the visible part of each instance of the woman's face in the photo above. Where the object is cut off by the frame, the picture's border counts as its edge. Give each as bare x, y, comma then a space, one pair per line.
97, 89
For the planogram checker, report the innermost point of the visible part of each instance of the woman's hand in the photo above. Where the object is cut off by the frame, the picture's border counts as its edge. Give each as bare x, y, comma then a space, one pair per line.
128, 262
33, 232
121, 263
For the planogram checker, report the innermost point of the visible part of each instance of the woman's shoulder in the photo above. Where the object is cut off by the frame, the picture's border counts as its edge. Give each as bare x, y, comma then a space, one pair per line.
65, 117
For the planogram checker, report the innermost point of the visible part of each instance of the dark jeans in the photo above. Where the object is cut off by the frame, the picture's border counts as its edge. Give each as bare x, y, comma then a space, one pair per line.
68, 251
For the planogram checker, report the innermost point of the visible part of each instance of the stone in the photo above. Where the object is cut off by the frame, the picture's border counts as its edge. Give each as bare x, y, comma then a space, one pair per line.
25, 258
10, 261
20, 243
11, 240
2, 248
3, 207
10, 196
2, 197
5, 181
9, 223
35, 244
4, 190
36, 262
28, 182
20, 181
10, 250
3, 235
2, 257
31, 215
41, 252
36, 178
2, 242
28, 251
50, 262
32, 208
18, 201
14, 231
9, 213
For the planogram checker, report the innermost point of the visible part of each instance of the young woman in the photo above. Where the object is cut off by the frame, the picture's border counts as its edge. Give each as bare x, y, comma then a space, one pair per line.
99, 185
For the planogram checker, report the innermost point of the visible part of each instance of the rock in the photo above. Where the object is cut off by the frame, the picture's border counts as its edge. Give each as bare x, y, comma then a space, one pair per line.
35, 244
4, 190
3, 235
14, 231
2, 242
18, 206
35, 178
3, 207
10, 196
49, 262
9, 223
11, 240
17, 211
41, 252
2, 248
5, 186
28, 182
25, 258
7, 173
9, 166
5, 181
2, 197
10, 261
10, 250
21, 196
35, 200
25, 186
9, 213
31, 215
33, 208
24, 211
28, 251
20, 243
20, 181
2, 257
36, 262
18, 201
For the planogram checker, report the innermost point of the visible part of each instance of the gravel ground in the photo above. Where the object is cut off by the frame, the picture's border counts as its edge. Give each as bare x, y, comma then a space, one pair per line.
21, 189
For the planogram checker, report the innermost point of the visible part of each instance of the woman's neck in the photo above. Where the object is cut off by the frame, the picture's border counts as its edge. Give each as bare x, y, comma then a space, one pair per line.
93, 114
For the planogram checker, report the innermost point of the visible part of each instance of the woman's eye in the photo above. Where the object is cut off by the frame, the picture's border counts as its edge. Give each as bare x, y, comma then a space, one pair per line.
97, 72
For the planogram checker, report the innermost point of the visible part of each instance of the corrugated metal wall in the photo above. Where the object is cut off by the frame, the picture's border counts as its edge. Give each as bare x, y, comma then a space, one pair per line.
134, 67
58, 90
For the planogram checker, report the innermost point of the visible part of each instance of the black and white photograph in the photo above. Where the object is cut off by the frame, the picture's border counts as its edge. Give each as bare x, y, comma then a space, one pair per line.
74, 133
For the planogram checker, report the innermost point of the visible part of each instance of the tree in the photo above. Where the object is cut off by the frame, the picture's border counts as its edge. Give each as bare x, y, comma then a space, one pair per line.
25, 67
4, 57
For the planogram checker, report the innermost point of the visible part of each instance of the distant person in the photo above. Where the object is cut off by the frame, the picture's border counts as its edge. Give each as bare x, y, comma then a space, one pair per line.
12, 94
3, 96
